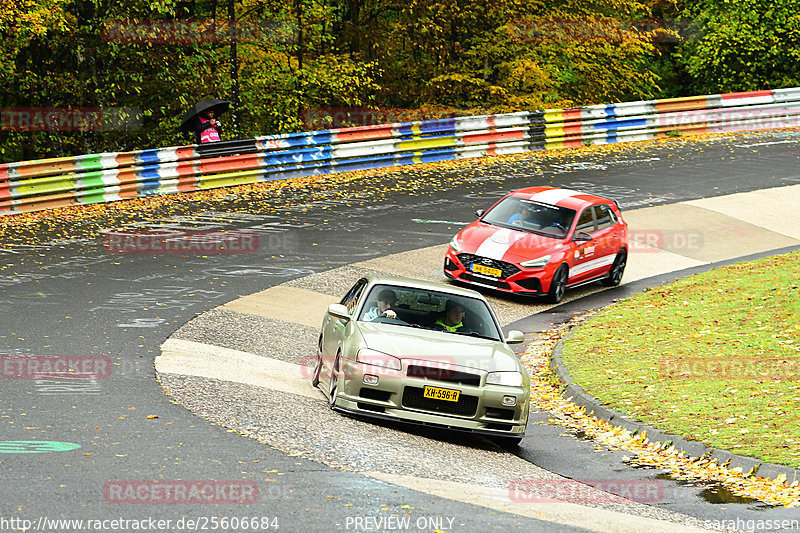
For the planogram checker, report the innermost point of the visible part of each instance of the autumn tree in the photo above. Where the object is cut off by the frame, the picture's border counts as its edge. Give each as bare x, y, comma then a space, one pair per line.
741, 46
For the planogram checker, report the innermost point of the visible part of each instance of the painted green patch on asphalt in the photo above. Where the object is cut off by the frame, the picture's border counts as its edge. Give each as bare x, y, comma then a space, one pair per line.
36, 446
714, 357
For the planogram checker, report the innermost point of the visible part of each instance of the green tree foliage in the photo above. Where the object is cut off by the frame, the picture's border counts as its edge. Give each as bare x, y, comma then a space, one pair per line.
295, 58
742, 45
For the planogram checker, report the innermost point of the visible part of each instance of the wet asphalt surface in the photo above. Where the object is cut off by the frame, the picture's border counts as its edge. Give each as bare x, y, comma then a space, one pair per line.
79, 299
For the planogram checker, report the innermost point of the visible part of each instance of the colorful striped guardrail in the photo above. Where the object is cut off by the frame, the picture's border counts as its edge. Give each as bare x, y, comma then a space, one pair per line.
86, 179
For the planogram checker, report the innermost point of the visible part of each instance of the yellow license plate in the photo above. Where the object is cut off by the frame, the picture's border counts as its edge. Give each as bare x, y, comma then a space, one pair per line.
489, 271
441, 394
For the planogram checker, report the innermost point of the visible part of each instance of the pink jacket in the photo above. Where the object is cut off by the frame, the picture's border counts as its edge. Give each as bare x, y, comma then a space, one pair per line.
207, 132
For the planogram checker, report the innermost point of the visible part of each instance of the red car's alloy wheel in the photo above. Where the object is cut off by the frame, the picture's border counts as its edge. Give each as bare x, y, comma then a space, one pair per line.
558, 286
617, 269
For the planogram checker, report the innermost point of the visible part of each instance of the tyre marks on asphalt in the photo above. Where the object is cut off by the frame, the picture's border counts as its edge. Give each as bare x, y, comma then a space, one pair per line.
776, 210
704, 235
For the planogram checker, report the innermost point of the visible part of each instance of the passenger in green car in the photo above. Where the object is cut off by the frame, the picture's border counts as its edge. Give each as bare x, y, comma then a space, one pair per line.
452, 319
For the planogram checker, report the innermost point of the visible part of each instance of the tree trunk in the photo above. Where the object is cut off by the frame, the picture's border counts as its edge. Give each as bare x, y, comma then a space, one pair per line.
234, 67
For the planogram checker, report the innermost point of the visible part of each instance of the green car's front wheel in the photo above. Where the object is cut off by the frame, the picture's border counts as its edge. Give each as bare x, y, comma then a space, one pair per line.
318, 366
334, 390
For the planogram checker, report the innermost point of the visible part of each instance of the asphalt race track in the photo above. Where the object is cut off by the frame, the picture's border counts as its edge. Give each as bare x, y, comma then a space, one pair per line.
77, 299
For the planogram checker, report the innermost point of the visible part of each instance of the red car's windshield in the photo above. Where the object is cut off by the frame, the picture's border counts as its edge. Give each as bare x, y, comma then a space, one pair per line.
535, 217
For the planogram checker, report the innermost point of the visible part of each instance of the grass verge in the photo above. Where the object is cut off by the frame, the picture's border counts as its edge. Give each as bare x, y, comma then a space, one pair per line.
714, 357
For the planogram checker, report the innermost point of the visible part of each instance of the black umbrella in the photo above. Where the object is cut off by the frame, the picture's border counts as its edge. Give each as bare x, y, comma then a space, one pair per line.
219, 107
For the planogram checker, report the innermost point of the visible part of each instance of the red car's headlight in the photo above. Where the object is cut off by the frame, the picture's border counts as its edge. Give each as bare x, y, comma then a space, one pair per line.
540, 262
454, 244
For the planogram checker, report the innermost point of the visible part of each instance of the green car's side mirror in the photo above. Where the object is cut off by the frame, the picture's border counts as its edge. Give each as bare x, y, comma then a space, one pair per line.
515, 337
339, 311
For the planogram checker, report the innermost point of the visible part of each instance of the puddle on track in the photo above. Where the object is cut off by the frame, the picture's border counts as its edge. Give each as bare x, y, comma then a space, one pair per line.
713, 493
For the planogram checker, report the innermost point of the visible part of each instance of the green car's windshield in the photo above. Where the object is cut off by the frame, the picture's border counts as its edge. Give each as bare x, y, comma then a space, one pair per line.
535, 217
428, 309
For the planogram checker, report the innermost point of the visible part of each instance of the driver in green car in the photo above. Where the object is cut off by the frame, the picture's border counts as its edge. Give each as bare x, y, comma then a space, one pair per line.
383, 307
451, 320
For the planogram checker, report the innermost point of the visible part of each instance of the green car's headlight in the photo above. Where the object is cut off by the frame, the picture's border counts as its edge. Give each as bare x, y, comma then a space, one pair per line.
372, 357
454, 244
539, 262
511, 379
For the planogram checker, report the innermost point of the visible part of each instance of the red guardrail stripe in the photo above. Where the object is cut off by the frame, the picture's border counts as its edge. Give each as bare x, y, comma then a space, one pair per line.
225, 164
187, 184
748, 94
362, 134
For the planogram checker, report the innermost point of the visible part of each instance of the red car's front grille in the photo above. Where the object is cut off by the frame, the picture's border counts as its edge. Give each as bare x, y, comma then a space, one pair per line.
465, 406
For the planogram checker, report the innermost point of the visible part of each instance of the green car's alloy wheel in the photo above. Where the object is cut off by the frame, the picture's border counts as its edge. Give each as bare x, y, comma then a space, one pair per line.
317, 370
334, 390
318, 366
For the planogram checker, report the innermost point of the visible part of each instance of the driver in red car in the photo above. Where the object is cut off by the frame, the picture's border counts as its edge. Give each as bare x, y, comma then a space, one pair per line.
526, 214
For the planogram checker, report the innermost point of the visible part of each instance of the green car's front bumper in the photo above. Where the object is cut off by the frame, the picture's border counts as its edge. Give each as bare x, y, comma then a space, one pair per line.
398, 396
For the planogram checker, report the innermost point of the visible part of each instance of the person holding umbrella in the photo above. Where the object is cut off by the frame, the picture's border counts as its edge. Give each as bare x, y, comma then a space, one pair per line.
202, 120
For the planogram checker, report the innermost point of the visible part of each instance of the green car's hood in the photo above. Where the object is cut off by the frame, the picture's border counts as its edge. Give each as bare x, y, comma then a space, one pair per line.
443, 348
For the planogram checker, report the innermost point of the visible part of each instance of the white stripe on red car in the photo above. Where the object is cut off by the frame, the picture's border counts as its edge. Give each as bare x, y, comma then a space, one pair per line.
497, 244
591, 265
553, 196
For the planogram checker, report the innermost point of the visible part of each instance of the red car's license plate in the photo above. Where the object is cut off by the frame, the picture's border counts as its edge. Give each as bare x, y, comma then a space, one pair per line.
489, 271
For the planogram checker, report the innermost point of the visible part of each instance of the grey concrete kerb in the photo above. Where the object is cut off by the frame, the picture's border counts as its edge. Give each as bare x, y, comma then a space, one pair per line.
574, 393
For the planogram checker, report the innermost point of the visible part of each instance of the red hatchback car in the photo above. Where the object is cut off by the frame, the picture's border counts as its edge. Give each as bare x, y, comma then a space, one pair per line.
541, 241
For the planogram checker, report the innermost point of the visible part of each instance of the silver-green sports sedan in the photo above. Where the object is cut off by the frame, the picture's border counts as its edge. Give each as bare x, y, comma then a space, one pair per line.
422, 352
